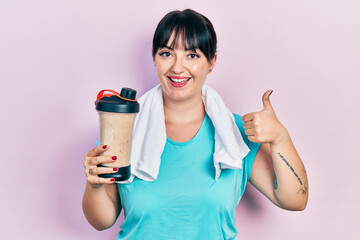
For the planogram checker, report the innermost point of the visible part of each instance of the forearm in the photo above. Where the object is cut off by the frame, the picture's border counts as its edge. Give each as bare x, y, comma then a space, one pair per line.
290, 181
99, 208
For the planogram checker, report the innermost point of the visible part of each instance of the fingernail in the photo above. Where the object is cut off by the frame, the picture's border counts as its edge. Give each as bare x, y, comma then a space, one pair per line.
112, 179
104, 146
113, 157
271, 92
115, 169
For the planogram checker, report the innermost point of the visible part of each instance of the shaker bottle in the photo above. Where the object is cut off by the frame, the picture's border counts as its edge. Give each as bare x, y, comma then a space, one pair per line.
117, 114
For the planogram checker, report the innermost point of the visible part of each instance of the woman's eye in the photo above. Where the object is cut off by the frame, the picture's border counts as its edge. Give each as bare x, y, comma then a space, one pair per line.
165, 54
193, 55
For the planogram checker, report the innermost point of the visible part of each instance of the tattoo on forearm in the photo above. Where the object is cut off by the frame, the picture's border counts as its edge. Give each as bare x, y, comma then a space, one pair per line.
304, 190
291, 168
275, 182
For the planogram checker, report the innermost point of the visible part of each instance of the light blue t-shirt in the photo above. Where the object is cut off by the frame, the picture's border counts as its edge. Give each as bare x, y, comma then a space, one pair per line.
185, 202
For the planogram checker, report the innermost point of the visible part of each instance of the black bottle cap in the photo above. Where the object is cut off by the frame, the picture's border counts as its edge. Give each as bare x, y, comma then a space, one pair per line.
113, 103
128, 93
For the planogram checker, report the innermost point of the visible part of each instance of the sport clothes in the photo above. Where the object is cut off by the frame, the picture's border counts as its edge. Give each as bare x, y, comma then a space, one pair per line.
185, 202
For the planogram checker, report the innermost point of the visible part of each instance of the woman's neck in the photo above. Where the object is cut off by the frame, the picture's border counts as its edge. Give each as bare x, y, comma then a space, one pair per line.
182, 112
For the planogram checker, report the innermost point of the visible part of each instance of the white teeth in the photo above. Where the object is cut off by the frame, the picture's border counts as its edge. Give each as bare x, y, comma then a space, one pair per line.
179, 80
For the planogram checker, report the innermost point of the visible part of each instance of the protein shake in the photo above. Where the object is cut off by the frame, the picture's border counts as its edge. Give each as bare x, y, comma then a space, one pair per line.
117, 114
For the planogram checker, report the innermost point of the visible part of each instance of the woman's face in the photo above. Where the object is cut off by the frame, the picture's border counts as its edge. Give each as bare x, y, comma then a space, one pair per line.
181, 72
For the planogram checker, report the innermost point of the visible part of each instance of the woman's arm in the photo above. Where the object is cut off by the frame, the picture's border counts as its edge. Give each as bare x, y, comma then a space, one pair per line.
101, 200
101, 205
280, 179
278, 171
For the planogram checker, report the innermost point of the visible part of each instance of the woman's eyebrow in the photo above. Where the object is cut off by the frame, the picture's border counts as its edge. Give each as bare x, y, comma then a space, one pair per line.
187, 49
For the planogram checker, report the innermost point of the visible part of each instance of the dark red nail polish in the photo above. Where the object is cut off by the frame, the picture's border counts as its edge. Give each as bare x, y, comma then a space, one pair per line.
112, 179
104, 146
113, 157
115, 169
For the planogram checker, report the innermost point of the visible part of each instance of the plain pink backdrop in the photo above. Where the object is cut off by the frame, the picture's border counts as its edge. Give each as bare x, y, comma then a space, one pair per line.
56, 55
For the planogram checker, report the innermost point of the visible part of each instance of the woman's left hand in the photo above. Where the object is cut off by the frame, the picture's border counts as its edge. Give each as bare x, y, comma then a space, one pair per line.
263, 126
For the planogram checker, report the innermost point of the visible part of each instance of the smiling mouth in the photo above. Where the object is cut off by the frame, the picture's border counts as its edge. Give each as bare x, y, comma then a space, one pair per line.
180, 80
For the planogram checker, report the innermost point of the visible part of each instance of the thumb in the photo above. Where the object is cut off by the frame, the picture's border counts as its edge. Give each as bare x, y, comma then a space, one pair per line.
266, 100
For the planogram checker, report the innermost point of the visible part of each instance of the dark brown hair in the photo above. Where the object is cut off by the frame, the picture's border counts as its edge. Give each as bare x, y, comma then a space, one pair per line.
196, 31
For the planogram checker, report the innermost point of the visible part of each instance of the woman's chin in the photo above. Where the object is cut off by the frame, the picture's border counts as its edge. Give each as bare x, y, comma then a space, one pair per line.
177, 95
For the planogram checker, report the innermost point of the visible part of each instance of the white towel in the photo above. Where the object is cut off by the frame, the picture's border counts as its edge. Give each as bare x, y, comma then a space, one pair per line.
149, 136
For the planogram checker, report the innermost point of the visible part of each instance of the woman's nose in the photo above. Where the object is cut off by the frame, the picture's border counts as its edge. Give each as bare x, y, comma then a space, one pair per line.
178, 66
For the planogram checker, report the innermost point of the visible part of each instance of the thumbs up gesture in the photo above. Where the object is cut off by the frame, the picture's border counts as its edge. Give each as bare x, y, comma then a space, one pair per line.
263, 126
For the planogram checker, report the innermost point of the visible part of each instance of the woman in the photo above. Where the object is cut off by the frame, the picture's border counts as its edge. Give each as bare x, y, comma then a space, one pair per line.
185, 202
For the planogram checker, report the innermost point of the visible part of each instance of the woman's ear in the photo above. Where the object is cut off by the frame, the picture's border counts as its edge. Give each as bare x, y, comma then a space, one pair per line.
212, 62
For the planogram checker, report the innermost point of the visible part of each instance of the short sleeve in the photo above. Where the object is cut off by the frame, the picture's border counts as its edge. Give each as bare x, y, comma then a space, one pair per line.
248, 160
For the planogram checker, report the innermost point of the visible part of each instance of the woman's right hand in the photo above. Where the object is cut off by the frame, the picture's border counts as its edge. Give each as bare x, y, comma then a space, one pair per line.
92, 160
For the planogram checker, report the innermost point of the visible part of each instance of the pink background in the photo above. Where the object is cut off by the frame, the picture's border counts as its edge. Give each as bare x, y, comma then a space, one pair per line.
56, 55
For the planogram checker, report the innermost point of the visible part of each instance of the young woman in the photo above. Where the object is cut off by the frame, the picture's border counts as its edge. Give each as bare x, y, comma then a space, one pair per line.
185, 202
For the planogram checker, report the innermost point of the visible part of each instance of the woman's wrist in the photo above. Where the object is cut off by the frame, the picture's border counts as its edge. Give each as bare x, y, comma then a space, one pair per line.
95, 186
283, 137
